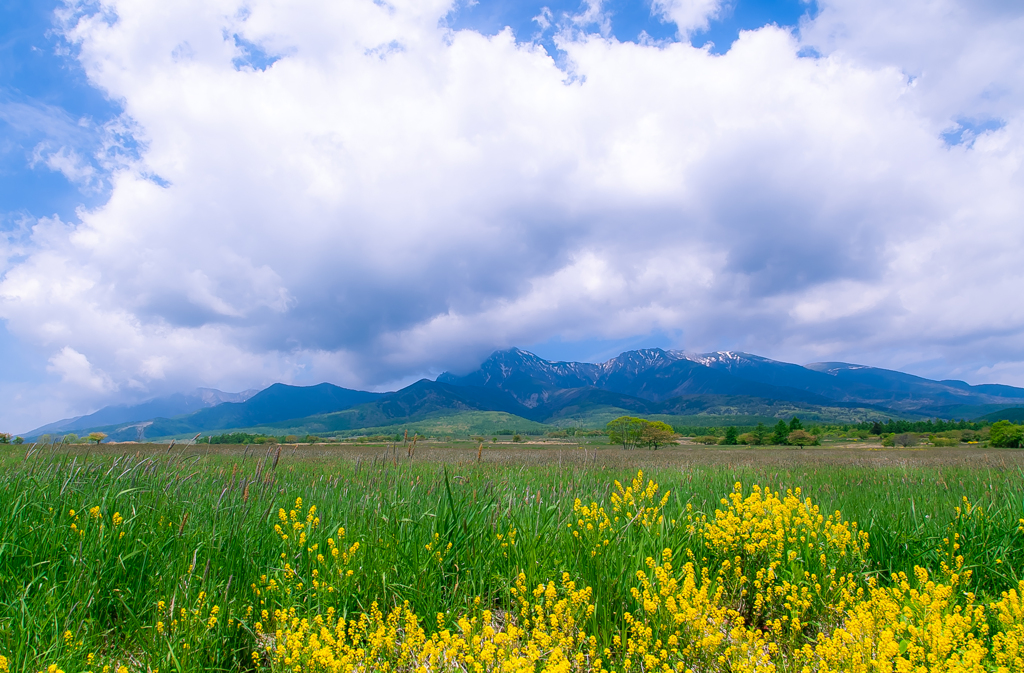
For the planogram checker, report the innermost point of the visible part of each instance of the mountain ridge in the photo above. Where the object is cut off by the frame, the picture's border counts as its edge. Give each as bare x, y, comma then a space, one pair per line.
645, 381
172, 405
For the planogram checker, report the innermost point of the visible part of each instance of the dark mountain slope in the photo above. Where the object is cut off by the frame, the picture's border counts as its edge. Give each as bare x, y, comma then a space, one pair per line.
906, 392
279, 402
420, 400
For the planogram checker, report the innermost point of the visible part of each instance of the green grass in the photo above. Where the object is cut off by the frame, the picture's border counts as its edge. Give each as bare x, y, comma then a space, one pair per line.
202, 520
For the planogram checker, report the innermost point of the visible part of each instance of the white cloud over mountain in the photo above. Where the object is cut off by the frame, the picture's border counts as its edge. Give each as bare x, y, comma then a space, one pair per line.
390, 197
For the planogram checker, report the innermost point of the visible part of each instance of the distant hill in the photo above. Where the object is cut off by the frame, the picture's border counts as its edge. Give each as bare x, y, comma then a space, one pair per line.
276, 403
1014, 415
649, 382
167, 407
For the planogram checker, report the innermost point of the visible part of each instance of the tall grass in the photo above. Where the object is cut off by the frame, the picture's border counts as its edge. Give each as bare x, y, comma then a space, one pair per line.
95, 551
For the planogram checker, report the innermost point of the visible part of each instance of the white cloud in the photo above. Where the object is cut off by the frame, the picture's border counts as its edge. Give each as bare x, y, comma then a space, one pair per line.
68, 162
689, 16
76, 370
390, 198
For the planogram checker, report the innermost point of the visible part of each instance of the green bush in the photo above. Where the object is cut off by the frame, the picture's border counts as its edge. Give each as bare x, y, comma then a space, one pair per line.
1006, 434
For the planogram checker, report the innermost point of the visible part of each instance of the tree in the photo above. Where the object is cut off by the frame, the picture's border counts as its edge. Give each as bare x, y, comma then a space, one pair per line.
5, 438
876, 428
905, 439
656, 433
1006, 434
761, 434
781, 433
70, 438
802, 438
795, 424
18, 440
625, 430
97, 437
730, 436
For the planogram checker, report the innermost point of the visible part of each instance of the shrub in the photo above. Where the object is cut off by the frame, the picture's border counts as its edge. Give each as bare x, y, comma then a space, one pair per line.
1006, 434
802, 438
905, 439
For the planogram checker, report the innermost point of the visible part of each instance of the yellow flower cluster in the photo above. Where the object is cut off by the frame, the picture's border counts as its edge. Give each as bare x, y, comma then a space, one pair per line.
781, 560
638, 504
681, 623
913, 629
437, 549
507, 540
763, 526
591, 526
545, 635
293, 527
188, 629
95, 517
780, 589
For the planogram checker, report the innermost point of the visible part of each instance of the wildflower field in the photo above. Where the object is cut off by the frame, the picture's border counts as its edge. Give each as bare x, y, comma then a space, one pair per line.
176, 560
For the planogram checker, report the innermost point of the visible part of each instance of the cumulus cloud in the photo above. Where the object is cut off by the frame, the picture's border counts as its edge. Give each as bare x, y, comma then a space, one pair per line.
689, 15
76, 370
352, 192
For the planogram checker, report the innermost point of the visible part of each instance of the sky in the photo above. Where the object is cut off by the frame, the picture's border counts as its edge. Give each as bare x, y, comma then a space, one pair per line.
231, 193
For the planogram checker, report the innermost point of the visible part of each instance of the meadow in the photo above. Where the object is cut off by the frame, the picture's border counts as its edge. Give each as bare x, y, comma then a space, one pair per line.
554, 558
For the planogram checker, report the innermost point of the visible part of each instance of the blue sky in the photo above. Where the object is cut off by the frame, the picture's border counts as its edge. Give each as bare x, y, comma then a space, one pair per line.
235, 193
46, 97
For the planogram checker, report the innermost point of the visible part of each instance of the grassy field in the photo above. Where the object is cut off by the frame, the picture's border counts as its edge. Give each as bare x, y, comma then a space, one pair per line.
536, 557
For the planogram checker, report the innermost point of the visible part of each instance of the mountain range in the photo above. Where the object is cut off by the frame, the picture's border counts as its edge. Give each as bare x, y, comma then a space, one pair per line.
166, 407
523, 385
